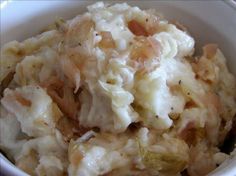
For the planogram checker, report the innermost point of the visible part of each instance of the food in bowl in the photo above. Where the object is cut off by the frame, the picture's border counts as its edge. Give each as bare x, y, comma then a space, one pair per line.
115, 91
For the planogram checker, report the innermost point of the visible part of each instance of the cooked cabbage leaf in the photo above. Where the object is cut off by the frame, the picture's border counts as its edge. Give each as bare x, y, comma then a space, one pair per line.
165, 162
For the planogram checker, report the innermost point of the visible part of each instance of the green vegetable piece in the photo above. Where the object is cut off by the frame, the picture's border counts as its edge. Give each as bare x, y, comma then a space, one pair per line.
163, 162
60, 25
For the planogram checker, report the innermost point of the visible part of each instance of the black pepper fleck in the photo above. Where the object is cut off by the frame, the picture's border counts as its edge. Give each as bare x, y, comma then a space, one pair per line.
146, 19
172, 108
188, 93
179, 82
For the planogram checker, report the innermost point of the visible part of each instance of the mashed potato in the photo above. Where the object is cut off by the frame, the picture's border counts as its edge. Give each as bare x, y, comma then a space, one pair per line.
115, 91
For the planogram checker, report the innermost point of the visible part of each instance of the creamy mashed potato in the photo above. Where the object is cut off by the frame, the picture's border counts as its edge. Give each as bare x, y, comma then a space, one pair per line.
114, 91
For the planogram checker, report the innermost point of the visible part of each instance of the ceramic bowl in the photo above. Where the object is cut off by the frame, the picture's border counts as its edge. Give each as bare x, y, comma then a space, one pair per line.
207, 21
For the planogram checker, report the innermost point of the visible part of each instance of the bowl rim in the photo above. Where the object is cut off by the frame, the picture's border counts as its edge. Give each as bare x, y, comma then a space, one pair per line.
9, 169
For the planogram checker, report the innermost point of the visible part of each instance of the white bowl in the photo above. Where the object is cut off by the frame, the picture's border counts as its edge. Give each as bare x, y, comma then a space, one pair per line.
207, 21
